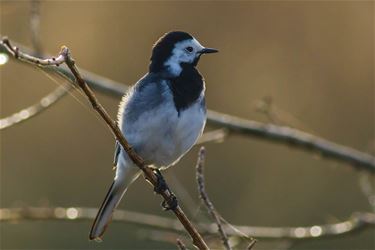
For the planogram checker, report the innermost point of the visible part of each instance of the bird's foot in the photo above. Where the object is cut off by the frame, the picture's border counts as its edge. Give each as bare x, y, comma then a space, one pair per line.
171, 204
161, 185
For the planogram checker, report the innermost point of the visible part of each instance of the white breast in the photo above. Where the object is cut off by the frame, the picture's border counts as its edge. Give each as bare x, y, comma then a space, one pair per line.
162, 136
189, 127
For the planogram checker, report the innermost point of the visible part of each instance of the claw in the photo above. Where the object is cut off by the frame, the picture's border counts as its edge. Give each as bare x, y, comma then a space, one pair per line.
161, 185
171, 204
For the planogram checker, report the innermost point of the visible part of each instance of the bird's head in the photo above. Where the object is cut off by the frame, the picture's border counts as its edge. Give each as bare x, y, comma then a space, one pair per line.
175, 49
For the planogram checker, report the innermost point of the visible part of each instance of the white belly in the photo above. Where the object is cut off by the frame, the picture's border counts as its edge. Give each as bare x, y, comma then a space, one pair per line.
162, 136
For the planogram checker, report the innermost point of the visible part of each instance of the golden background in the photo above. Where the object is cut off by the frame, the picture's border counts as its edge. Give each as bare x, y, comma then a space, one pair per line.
315, 59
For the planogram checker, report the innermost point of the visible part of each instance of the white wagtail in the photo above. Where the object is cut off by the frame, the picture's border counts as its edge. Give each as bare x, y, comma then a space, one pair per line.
161, 116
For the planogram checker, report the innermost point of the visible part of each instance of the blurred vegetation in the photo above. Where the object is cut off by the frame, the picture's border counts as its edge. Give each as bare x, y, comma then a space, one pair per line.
314, 59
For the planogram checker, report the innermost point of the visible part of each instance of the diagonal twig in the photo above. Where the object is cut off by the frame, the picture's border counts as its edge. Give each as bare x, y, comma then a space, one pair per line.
65, 57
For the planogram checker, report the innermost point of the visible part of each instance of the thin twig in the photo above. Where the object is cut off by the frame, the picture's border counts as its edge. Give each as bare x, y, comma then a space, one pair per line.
165, 236
217, 135
35, 27
294, 138
47, 101
280, 134
252, 244
366, 184
181, 245
35, 109
17, 54
65, 57
357, 221
277, 116
206, 200
265, 106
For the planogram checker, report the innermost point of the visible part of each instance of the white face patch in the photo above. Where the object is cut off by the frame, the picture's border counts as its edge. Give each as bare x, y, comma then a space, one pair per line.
181, 54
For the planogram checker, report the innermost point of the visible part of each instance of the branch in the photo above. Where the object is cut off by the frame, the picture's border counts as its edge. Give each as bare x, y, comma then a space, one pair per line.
35, 109
46, 101
358, 221
203, 195
294, 138
17, 54
280, 134
65, 57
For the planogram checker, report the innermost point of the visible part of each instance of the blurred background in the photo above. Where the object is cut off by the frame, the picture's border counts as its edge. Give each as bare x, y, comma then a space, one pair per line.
311, 62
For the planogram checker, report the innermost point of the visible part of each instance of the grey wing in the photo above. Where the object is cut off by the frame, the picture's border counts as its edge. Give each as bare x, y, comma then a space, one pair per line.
144, 98
147, 94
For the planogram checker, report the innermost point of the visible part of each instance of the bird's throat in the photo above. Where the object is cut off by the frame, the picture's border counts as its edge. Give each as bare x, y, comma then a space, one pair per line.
187, 87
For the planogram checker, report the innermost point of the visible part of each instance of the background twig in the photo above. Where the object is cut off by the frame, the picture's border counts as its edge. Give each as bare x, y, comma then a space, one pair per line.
280, 134
35, 27
181, 245
206, 200
35, 109
65, 57
356, 222
251, 245
295, 138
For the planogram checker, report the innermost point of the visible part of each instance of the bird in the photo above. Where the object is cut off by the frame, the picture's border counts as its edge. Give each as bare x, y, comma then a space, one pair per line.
161, 116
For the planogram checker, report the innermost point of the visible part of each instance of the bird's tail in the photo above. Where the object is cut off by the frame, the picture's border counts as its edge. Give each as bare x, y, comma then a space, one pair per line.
117, 190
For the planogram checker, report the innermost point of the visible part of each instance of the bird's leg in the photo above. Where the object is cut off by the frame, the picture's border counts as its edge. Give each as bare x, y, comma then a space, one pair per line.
162, 186
171, 204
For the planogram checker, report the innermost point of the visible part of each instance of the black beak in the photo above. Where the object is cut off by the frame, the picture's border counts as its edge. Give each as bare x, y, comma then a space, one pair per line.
208, 50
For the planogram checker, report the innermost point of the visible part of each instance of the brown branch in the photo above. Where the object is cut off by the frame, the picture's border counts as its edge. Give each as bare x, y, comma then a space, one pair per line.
358, 221
65, 57
280, 134
206, 200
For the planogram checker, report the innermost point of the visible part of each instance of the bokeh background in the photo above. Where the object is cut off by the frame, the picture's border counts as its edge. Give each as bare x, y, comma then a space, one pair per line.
315, 60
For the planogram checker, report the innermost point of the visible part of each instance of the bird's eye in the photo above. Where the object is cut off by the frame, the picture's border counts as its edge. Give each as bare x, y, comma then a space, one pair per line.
189, 49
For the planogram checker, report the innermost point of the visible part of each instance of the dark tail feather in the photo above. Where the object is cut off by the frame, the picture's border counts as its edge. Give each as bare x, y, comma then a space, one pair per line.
104, 216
